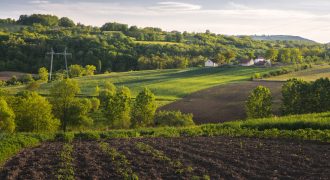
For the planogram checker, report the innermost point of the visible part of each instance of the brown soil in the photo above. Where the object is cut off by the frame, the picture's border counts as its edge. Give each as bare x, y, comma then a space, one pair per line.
217, 157
6, 75
37, 163
223, 103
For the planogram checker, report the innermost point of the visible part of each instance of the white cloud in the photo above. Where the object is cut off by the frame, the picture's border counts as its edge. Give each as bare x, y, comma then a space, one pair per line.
38, 2
175, 6
232, 18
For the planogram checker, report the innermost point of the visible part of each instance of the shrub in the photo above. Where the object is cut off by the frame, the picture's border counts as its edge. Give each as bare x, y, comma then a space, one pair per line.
259, 102
87, 136
26, 78
43, 74
32, 86
173, 118
76, 71
95, 104
65, 137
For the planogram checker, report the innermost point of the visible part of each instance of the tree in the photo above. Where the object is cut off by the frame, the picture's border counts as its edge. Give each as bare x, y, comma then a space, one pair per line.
107, 94
89, 70
76, 71
66, 22
296, 97
144, 109
7, 117
34, 114
43, 74
259, 103
77, 113
63, 99
271, 54
320, 94
119, 109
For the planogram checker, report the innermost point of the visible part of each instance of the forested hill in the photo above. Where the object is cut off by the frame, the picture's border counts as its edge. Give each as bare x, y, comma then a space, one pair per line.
119, 47
281, 38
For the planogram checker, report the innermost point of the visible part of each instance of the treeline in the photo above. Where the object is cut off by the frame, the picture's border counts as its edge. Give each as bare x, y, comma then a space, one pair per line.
299, 97
28, 111
118, 47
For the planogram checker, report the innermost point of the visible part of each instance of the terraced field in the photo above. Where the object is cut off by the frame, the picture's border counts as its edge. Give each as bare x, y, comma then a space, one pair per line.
173, 158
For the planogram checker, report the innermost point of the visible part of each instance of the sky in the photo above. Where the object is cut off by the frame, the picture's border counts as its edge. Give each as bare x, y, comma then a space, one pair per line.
306, 18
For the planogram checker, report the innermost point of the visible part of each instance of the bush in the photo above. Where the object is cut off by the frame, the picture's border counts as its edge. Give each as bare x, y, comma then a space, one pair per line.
32, 86
87, 136
173, 118
64, 137
26, 78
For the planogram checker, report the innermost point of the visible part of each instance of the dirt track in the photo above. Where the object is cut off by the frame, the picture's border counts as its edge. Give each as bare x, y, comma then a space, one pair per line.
223, 103
217, 157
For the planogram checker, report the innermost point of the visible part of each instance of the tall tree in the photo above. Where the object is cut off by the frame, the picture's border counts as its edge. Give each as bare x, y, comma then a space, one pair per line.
63, 98
119, 109
43, 74
7, 117
144, 109
259, 103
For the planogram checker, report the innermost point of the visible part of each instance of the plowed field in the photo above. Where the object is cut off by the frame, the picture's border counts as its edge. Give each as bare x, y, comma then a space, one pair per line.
178, 158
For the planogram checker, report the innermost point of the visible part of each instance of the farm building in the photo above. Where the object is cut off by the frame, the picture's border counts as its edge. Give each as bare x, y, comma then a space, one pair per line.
259, 59
210, 63
246, 62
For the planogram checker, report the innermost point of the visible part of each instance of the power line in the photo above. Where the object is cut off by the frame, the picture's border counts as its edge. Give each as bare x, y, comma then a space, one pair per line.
65, 54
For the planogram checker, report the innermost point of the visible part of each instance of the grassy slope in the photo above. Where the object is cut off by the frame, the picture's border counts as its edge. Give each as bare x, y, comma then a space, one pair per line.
318, 71
166, 84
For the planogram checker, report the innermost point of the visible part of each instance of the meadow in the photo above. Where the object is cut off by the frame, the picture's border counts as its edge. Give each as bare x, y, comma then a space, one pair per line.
312, 74
170, 84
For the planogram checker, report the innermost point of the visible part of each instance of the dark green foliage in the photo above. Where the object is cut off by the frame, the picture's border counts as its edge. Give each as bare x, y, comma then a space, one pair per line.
259, 103
87, 136
301, 97
66, 22
173, 118
45, 20
65, 137
117, 47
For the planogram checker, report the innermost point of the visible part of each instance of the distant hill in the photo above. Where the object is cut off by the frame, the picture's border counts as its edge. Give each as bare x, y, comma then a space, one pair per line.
281, 38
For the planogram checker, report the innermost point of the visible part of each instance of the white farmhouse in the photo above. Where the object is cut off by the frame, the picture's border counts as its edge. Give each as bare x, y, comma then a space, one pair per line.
210, 63
246, 62
259, 59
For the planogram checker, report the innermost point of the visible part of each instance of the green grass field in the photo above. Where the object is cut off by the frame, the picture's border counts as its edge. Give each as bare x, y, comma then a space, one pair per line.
166, 84
318, 71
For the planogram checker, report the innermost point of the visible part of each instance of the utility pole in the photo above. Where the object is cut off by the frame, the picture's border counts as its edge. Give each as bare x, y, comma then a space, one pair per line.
65, 54
51, 53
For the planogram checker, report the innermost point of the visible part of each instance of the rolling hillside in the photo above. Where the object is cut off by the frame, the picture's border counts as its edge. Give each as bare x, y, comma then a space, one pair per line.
166, 84
281, 38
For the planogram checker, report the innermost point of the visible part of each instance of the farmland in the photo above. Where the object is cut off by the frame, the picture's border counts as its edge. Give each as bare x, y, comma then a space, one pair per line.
318, 71
169, 84
175, 158
224, 102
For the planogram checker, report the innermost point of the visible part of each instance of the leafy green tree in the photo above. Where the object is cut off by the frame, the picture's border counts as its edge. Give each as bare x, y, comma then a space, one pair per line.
259, 103
107, 94
78, 113
320, 95
34, 114
296, 97
63, 99
144, 109
89, 70
95, 104
76, 71
66, 22
119, 109
7, 117
43, 74
271, 54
